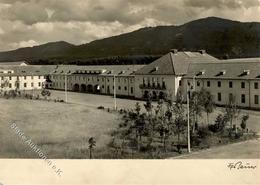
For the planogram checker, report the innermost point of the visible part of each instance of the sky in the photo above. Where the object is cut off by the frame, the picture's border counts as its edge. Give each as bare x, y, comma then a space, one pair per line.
25, 23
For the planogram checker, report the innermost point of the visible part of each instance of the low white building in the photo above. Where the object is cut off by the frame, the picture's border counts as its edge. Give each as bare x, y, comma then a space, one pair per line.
22, 78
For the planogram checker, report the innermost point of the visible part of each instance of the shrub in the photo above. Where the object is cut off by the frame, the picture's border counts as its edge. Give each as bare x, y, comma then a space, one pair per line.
100, 107
203, 132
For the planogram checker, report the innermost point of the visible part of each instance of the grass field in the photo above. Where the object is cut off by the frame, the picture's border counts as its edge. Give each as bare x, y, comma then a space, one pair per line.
58, 128
61, 130
108, 101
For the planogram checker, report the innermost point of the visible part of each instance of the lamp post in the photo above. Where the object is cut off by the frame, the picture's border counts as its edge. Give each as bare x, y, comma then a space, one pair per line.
115, 91
188, 118
66, 89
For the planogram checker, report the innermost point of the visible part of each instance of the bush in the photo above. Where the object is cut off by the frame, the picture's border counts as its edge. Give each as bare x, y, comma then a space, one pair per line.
203, 132
100, 107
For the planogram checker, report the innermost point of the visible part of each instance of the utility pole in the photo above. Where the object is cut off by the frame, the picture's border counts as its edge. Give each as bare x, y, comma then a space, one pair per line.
115, 91
188, 117
66, 86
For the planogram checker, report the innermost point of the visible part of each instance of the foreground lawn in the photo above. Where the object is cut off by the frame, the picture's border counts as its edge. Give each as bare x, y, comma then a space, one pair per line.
60, 130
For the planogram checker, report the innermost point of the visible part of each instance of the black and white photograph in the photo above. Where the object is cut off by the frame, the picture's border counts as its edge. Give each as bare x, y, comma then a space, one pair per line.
95, 80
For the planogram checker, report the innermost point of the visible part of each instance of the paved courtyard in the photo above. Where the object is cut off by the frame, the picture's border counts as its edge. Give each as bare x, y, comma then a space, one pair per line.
243, 150
94, 100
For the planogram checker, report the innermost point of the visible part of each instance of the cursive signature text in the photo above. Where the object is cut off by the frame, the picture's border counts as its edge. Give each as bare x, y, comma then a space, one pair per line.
240, 165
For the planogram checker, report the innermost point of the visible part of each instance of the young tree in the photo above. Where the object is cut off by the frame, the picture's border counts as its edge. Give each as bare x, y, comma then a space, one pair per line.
91, 145
137, 108
207, 102
196, 108
179, 120
243, 121
232, 111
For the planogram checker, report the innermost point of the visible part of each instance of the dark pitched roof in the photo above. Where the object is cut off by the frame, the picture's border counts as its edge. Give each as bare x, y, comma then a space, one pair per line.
27, 70
242, 69
119, 70
175, 63
18, 63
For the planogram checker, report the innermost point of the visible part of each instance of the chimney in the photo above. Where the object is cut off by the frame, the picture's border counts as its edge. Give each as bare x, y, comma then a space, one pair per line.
202, 51
174, 51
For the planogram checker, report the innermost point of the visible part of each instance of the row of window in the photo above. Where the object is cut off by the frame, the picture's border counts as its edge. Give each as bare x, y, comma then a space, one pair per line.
230, 83
93, 78
119, 87
24, 85
242, 98
17, 77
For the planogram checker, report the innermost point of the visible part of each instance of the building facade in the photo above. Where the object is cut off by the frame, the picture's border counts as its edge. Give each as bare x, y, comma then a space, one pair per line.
174, 72
96, 79
11, 79
231, 80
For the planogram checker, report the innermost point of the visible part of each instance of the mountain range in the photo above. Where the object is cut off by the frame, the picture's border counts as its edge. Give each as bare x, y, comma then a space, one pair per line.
221, 38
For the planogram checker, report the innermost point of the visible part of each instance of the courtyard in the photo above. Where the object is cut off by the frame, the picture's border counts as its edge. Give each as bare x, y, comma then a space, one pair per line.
62, 130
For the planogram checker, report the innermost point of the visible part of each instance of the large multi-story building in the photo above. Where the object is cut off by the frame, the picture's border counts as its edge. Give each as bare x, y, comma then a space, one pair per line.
173, 72
237, 80
162, 77
96, 79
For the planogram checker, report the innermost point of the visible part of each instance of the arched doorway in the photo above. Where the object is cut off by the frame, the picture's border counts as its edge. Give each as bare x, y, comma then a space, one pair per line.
97, 89
154, 95
161, 95
90, 88
75, 88
146, 95
83, 88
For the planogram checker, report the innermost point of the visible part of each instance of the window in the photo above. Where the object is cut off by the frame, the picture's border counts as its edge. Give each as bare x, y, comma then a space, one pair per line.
219, 83
17, 78
32, 77
256, 85
198, 83
39, 84
17, 85
256, 99
10, 85
180, 83
2, 78
243, 98
119, 87
132, 90
125, 88
243, 85
208, 83
10, 78
39, 77
219, 96
25, 84
103, 86
230, 84
32, 84
24, 77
